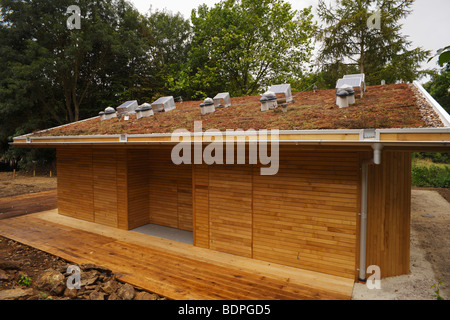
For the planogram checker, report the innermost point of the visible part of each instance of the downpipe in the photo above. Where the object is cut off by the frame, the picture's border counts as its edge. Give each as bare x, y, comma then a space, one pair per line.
376, 159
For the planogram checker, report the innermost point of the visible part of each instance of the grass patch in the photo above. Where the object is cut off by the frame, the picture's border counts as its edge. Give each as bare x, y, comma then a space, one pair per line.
426, 173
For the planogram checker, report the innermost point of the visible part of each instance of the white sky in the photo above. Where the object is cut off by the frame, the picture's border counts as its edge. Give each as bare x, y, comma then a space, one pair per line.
427, 26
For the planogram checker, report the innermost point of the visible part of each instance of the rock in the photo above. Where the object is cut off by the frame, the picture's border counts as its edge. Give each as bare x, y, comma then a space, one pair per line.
50, 279
113, 296
70, 293
96, 295
89, 266
15, 293
126, 292
9, 265
59, 288
109, 286
146, 296
4, 275
89, 277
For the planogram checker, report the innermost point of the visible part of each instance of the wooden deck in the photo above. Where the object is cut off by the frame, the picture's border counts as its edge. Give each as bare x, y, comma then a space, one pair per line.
172, 269
28, 203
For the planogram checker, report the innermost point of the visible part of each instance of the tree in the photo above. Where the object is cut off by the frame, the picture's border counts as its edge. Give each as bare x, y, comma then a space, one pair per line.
241, 46
378, 52
439, 87
51, 75
170, 36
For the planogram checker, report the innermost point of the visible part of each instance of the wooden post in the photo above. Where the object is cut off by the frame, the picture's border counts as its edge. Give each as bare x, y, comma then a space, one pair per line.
50, 173
14, 173
34, 173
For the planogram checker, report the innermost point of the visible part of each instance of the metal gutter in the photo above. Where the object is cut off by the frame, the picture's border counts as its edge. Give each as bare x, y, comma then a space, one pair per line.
443, 115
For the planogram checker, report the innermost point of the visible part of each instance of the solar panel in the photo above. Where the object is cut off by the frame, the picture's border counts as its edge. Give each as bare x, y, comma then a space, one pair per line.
128, 106
164, 104
222, 100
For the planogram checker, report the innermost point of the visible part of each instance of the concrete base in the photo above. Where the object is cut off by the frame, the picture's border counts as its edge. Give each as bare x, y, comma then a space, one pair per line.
166, 233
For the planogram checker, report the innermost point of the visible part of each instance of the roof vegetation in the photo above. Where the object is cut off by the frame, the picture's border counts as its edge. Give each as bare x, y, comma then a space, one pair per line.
388, 106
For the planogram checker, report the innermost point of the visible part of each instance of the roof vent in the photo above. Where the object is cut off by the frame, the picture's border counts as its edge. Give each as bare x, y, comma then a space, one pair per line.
351, 93
354, 80
268, 101
207, 106
109, 113
164, 104
284, 89
341, 98
144, 110
222, 100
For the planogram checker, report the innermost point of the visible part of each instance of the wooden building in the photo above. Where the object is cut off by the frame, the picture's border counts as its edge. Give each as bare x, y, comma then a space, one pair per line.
339, 201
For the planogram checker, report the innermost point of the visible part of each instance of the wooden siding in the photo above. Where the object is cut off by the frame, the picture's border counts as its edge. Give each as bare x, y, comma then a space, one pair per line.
138, 188
170, 188
105, 186
389, 212
230, 209
200, 181
124, 188
75, 185
304, 216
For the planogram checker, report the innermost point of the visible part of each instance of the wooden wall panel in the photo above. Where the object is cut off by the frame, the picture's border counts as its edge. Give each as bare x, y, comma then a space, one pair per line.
170, 188
184, 201
230, 209
75, 187
200, 181
105, 186
305, 216
388, 214
138, 187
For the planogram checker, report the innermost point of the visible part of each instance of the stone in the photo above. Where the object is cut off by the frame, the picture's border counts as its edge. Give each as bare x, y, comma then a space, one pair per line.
109, 286
59, 288
70, 293
89, 277
96, 295
4, 275
90, 266
15, 293
9, 265
49, 279
114, 296
126, 292
146, 296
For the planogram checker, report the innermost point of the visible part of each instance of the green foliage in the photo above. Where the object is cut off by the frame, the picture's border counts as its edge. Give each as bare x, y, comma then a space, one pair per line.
438, 87
242, 46
24, 281
437, 291
380, 53
443, 55
436, 157
51, 75
430, 176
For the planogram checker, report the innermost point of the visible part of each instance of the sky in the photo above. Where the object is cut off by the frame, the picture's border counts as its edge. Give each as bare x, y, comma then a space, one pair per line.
427, 26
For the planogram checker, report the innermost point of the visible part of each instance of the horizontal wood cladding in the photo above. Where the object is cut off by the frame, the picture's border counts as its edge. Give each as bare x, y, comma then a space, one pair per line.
75, 184
138, 187
200, 182
304, 216
230, 209
170, 191
388, 214
106, 185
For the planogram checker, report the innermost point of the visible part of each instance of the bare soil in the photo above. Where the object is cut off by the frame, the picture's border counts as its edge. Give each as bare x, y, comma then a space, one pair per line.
24, 183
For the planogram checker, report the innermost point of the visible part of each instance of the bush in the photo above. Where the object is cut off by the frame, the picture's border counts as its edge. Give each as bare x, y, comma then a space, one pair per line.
432, 176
